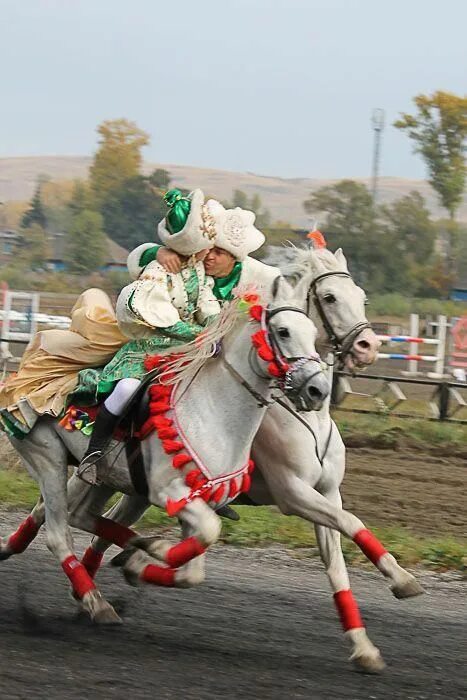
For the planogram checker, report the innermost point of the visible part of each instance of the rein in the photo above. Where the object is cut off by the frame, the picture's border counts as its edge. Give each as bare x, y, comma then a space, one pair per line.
341, 346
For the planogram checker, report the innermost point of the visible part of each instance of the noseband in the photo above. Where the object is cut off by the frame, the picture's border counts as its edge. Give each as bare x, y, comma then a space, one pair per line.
341, 345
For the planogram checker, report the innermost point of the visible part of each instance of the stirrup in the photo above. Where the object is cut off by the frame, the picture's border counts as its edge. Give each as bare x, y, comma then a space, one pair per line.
87, 469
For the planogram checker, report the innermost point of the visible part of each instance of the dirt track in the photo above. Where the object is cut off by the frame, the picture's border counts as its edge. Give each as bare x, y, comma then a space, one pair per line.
262, 626
423, 491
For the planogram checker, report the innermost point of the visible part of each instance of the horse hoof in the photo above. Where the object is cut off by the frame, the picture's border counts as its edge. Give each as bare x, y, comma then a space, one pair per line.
409, 589
368, 663
5, 552
107, 616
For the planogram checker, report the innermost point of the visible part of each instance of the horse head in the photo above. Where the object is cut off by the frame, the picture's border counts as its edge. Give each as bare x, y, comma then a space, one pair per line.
337, 305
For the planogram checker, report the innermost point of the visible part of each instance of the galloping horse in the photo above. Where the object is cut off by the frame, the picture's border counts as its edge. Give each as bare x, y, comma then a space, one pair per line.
299, 467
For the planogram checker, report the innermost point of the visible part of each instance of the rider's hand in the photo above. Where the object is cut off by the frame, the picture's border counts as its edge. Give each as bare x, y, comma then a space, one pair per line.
170, 260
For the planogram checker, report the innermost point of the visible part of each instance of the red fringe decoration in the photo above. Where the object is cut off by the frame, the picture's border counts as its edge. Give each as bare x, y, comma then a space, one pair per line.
159, 406
171, 446
153, 361
218, 494
161, 421
167, 433
256, 312
233, 488
192, 476
246, 483
180, 460
251, 466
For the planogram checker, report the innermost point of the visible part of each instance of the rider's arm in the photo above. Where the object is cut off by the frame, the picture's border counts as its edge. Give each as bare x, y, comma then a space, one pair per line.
208, 306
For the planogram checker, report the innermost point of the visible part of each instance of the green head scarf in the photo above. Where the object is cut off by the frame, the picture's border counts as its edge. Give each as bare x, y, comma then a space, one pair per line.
179, 208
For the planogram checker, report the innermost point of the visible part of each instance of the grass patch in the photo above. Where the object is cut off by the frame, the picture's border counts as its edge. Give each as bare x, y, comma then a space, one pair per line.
264, 526
390, 428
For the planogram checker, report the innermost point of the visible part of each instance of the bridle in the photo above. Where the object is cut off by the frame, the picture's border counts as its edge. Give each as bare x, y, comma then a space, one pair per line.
341, 345
288, 363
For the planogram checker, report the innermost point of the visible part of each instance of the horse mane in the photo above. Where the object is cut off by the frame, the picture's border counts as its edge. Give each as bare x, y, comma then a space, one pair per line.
300, 261
192, 356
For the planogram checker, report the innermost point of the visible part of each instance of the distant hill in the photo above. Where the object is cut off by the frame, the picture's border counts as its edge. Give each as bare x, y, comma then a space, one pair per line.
282, 196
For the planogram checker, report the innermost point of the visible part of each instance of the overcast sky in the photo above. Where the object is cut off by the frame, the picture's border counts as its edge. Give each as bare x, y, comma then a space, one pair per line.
280, 87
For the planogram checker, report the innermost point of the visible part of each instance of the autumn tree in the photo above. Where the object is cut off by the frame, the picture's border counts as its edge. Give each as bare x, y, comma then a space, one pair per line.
439, 131
118, 157
85, 243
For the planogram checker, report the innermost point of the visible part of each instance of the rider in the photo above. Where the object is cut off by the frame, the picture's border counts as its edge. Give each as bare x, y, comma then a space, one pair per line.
228, 262
157, 312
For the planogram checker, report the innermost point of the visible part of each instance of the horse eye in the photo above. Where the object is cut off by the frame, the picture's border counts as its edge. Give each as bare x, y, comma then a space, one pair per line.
329, 298
283, 333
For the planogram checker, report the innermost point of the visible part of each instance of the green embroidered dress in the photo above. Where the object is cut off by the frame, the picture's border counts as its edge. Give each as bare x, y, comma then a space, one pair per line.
159, 312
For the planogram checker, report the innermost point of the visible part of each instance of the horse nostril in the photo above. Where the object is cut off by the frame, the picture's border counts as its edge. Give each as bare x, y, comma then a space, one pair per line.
362, 345
314, 392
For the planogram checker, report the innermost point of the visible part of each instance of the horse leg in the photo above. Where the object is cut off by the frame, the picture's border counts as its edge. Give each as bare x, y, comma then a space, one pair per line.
21, 538
46, 460
184, 561
296, 497
364, 654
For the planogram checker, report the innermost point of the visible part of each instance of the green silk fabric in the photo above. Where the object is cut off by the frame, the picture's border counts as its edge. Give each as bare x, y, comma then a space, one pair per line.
179, 208
223, 286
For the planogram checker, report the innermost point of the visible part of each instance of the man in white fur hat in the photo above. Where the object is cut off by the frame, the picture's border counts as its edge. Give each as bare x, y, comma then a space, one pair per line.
228, 262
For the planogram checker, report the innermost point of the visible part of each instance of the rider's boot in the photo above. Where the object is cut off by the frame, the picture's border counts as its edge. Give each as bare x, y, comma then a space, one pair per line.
104, 426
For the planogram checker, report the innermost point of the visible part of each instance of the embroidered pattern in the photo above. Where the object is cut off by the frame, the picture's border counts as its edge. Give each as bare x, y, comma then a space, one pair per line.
208, 227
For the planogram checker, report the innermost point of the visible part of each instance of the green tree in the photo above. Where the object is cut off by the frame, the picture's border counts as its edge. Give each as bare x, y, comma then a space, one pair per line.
118, 157
131, 212
35, 248
159, 179
408, 240
35, 213
85, 243
351, 223
439, 131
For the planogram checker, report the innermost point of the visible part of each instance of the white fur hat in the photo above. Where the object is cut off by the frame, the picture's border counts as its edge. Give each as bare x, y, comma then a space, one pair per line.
235, 230
196, 235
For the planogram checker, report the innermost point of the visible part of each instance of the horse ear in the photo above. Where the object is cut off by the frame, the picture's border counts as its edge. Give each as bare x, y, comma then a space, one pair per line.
281, 289
340, 257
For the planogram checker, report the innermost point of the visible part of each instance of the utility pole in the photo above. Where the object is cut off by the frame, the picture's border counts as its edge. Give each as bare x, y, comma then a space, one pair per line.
377, 120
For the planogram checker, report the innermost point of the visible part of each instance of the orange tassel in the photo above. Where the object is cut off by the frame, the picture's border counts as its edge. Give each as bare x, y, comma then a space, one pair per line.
317, 239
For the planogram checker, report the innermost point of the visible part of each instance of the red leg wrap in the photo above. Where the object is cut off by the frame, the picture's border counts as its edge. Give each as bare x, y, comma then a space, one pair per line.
347, 608
114, 532
370, 545
24, 535
80, 580
158, 575
180, 553
91, 561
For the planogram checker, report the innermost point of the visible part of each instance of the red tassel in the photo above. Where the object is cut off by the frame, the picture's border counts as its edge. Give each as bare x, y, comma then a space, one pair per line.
192, 476
159, 406
266, 353
179, 461
274, 370
159, 391
171, 446
167, 433
206, 495
218, 494
153, 361
251, 466
246, 483
256, 312
258, 339
161, 422
233, 488
174, 507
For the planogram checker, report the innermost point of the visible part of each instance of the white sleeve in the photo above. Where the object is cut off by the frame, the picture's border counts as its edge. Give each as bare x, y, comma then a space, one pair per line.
207, 302
146, 302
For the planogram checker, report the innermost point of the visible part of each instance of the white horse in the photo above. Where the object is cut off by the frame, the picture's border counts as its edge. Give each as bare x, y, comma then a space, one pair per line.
299, 470
199, 455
